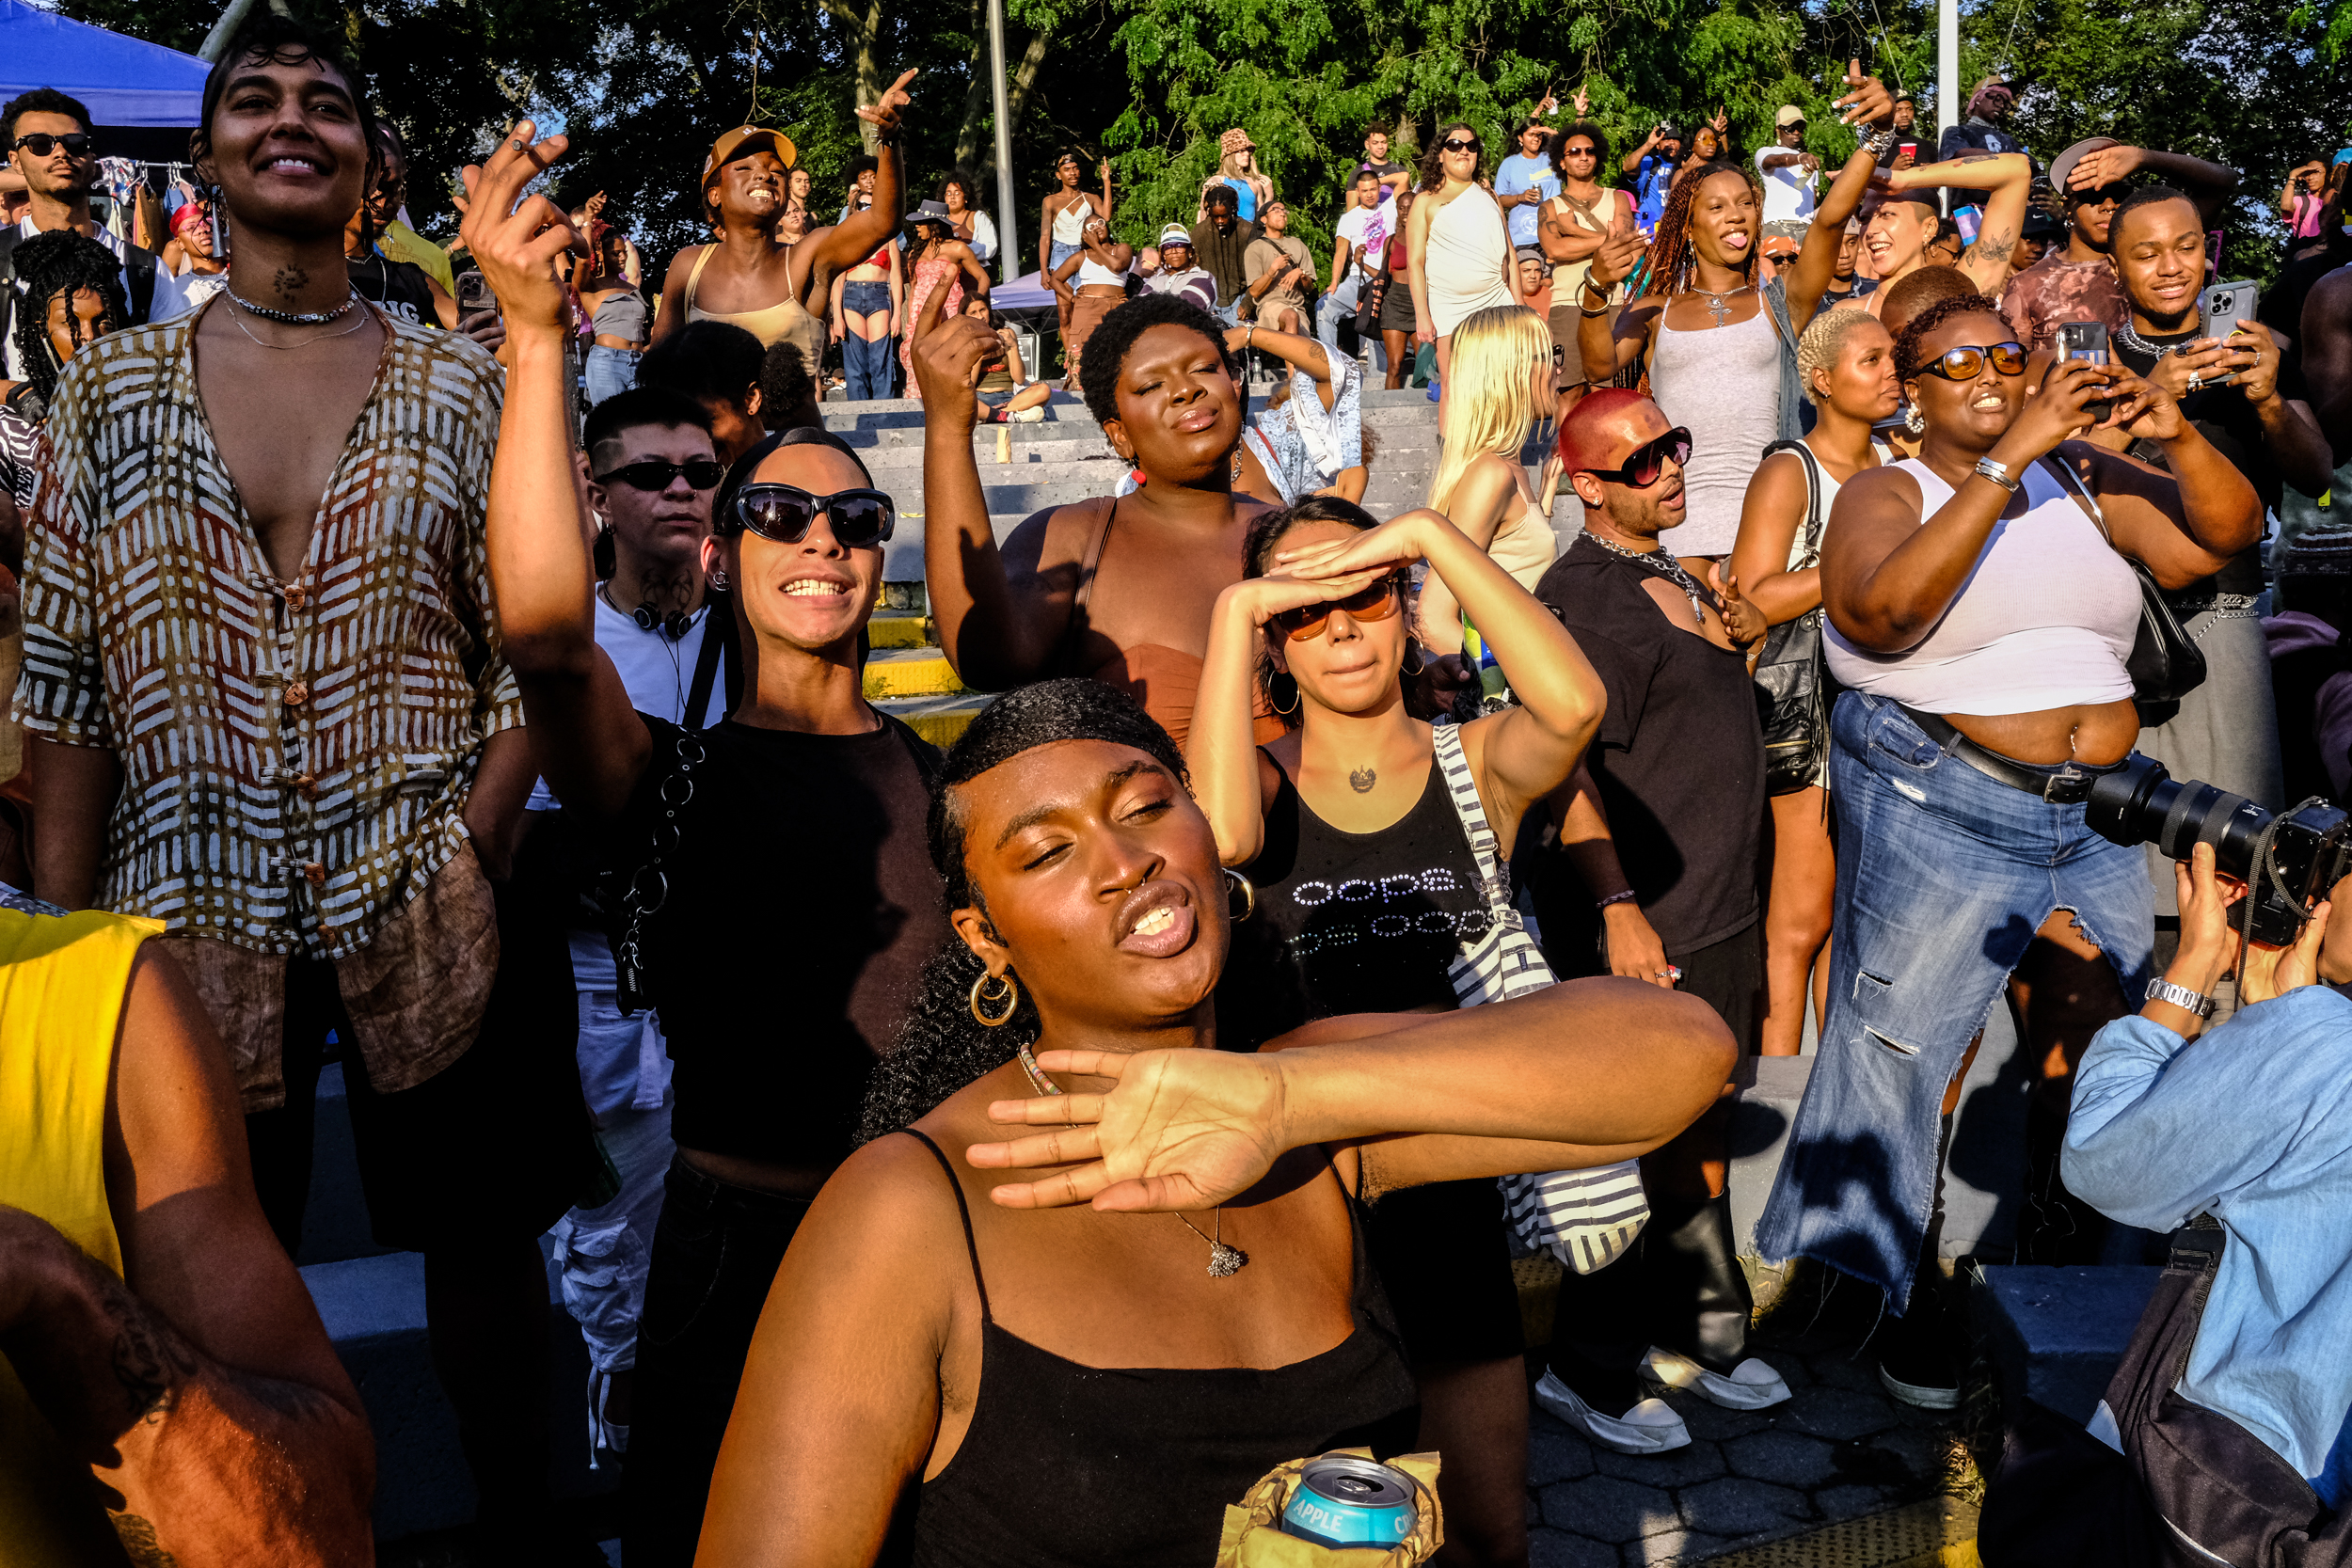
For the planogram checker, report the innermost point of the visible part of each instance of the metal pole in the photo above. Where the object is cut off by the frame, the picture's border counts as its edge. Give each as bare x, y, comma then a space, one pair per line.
217, 39
1946, 67
1008, 232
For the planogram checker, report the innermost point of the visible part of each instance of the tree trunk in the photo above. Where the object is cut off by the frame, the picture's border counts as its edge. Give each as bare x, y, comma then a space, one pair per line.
978, 96
865, 31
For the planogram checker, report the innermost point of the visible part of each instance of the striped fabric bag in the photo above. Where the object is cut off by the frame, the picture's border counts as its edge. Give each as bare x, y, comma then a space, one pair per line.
1584, 1217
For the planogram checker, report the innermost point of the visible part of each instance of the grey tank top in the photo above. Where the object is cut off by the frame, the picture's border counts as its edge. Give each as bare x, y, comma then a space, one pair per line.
1724, 383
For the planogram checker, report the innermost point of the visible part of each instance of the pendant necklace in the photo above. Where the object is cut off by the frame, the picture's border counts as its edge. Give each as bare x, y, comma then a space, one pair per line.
1718, 305
1223, 1261
1665, 566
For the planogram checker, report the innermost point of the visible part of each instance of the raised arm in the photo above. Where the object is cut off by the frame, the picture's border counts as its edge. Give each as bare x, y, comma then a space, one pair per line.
1291, 348
1631, 162
1583, 1074
2009, 178
1608, 340
967, 259
586, 738
200, 1387
2208, 185
1866, 104
2184, 527
857, 236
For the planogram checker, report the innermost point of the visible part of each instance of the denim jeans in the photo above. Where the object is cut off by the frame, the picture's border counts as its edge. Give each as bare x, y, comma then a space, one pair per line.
1944, 875
609, 371
1337, 305
715, 1252
867, 364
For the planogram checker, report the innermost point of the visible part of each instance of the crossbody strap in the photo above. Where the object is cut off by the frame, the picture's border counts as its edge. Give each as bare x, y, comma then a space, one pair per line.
1812, 501
1446, 741
2090, 501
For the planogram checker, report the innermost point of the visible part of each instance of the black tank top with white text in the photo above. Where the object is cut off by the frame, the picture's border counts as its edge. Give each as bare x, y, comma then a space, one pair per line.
1350, 922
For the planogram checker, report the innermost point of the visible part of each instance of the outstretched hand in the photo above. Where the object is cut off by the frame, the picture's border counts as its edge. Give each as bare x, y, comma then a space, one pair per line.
518, 240
1179, 1129
1868, 103
1741, 618
884, 115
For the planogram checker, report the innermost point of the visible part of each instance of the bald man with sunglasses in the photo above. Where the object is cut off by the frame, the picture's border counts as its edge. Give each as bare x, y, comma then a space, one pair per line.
1671, 900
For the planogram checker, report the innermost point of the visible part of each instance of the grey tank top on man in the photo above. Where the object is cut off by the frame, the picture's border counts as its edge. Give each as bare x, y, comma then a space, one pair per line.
1723, 383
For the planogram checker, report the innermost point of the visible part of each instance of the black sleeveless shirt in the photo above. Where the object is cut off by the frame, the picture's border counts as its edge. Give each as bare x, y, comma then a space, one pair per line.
1067, 1466
1350, 922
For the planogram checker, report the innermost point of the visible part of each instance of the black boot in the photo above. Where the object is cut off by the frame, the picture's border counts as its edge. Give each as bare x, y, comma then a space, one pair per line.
1920, 1352
1699, 1307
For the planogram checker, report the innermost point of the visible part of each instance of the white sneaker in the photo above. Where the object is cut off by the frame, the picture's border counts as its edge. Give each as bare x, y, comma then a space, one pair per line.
1026, 416
1649, 1426
1913, 1394
1751, 1386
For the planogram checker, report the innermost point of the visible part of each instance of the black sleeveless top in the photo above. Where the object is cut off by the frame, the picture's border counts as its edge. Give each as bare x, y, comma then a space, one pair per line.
1073, 1467
1350, 922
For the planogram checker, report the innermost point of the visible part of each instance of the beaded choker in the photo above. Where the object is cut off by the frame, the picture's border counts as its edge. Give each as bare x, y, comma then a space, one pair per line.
296, 318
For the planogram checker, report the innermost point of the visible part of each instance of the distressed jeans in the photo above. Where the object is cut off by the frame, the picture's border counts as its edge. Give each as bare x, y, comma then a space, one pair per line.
1944, 875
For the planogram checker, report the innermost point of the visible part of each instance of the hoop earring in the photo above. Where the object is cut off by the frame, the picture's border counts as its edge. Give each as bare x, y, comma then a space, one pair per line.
1248, 895
719, 580
1913, 421
1010, 995
1420, 660
1272, 688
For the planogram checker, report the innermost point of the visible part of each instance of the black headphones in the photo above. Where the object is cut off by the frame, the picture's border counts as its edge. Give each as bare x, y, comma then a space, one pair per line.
674, 626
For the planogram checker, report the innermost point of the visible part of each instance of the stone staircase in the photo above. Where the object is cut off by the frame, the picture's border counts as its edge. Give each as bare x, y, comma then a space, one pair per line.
1026, 468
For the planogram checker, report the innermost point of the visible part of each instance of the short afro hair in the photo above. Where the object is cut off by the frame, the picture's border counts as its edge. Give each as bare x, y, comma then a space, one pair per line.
41, 100
1908, 358
1580, 128
710, 361
1107, 349
786, 387
1907, 296
2147, 196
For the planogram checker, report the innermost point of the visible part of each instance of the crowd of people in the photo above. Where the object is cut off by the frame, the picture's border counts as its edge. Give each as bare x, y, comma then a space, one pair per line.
460, 674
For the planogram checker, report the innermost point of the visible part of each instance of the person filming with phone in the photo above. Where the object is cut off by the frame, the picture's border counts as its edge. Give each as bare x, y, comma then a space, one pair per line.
2243, 1137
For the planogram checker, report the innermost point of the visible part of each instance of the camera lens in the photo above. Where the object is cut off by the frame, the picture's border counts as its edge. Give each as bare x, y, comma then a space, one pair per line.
2141, 803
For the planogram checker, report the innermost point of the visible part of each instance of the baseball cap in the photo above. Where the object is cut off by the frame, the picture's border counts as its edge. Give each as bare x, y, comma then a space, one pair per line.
1175, 233
1527, 253
742, 142
2062, 166
2041, 226
1789, 115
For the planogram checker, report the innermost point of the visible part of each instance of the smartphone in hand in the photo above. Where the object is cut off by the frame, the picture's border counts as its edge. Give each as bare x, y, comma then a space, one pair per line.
2087, 341
473, 293
2220, 309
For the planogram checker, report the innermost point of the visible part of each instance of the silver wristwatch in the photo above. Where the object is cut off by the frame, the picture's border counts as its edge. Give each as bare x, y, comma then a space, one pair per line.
2161, 989
1998, 473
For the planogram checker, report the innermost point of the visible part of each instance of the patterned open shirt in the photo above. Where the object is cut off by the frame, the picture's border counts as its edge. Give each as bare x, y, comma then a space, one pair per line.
295, 755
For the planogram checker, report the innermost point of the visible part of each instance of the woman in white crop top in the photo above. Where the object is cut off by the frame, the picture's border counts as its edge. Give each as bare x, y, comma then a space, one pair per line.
1981, 610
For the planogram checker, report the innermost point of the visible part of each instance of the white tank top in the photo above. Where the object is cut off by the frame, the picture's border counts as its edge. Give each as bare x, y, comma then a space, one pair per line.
1092, 271
2046, 620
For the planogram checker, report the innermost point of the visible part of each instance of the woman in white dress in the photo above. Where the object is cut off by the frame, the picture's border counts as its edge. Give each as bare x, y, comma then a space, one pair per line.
1457, 251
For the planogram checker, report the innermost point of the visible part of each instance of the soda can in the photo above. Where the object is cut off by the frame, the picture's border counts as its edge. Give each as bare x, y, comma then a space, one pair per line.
1342, 1501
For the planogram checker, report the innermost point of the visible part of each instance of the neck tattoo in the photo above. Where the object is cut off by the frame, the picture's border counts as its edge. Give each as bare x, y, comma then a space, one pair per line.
1363, 780
1223, 1261
1666, 567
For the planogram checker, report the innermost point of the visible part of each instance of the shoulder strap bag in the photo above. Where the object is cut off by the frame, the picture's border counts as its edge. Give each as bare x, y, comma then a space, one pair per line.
1583, 1217
1791, 683
2166, 663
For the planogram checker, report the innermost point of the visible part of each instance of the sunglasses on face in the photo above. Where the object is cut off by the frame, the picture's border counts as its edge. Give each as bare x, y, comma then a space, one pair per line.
1374, 602
784, 513
1963, 364
40, 143
1455, 144
1583, 153
1645, 463
703, 473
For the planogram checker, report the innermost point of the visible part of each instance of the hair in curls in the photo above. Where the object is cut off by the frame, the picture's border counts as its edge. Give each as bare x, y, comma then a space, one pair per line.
1432, 165
1670, 253
1106, 350
1908, 358
62, 263
942, 1048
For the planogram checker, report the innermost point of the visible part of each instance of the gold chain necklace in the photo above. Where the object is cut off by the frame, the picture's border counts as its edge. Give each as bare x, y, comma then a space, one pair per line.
1223, 1261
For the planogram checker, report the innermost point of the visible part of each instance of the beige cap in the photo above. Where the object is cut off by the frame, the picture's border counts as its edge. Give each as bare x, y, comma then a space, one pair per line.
743, 141
1789, 115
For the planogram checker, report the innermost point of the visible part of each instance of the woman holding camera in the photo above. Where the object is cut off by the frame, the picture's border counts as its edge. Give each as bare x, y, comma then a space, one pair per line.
1982, 609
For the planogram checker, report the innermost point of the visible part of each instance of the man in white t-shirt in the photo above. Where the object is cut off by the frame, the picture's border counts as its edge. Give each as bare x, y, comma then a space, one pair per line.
1788, 172
1360, 250
48, 140
654, 472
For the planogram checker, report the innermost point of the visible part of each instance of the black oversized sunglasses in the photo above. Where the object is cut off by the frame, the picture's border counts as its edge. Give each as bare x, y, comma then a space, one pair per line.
784, 513
40, 143
1455, 144
1645, 463
703, 473
1963, 363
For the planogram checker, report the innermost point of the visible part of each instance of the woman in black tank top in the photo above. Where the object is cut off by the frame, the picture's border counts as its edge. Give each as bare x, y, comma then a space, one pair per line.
1357, 828
1088, 1389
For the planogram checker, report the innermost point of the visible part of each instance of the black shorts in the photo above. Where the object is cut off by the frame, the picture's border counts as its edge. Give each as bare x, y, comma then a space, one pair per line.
1446, 1262
495, 1146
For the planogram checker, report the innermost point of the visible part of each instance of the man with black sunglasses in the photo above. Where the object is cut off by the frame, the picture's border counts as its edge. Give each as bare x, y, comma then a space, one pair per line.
1669, 897
48, 140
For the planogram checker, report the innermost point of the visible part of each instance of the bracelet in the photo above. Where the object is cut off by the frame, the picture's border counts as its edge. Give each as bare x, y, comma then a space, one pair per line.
1878, 143
1998, 473
2193, 1003
1622, 896
1588, 286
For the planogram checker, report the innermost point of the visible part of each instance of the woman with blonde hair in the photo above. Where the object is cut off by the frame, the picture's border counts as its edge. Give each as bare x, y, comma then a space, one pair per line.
1500, 389
1846, 360
1237, 167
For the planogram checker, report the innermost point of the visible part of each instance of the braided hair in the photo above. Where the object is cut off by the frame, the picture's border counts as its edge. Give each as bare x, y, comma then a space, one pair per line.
62, 261
1670, 252
942, 1048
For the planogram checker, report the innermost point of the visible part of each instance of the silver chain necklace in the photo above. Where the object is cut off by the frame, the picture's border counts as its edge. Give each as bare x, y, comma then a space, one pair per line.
1666, 567
296, 318
306, 342
1717, 304
2139, 344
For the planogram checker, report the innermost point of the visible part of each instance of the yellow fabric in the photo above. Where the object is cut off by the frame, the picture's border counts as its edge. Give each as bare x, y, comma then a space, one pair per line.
403, 244
62, 980
1253, 1535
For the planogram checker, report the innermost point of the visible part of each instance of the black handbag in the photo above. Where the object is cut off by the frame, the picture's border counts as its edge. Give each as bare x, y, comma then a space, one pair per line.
1792, 681
2166, 663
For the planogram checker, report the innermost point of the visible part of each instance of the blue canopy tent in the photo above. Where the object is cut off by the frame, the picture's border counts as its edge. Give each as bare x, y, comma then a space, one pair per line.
122, 81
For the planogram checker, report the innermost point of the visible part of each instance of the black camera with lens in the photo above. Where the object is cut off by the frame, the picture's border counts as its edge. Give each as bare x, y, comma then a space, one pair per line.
2311, 849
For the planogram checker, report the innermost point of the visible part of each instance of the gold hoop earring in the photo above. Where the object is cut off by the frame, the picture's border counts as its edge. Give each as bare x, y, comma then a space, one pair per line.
1248, 895
1011, 995
1420, 660
1272, 688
